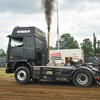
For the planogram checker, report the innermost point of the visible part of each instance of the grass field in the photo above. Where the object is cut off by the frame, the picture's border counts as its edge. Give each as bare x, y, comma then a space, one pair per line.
3, 74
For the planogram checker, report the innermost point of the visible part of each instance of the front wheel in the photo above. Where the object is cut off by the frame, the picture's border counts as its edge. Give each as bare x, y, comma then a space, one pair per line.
82, 78
22, 75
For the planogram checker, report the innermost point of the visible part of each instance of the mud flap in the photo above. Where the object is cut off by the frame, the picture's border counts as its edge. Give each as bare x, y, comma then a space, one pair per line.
8, 71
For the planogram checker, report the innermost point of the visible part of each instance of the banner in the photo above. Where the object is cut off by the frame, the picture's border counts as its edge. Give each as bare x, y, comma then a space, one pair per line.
56, 56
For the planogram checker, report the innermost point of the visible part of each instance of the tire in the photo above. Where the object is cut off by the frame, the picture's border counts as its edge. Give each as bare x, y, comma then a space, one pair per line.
22, 75
82, 78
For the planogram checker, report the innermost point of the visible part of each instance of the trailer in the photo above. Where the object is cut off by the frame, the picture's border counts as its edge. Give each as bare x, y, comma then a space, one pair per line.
28, 56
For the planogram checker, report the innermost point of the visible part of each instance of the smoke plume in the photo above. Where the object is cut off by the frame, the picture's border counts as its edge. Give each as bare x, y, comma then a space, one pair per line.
48, 6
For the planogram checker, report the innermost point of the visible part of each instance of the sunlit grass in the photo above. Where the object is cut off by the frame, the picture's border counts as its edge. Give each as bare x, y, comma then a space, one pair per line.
3, 74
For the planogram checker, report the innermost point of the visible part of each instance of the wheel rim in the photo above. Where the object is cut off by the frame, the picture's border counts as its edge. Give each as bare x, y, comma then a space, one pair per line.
21, 75
82, 78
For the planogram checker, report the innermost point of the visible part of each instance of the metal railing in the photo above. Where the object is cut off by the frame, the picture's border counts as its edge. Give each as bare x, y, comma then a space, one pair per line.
2, 63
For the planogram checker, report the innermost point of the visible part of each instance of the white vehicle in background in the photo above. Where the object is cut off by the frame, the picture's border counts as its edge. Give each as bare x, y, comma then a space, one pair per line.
76, 54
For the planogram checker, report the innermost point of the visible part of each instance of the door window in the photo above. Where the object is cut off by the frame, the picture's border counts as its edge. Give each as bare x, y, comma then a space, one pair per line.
16, 42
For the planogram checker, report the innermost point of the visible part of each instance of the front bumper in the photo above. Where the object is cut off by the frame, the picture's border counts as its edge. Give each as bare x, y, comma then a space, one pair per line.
8, 70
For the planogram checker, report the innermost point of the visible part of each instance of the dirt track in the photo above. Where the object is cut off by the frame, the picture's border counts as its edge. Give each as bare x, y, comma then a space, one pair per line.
46, 90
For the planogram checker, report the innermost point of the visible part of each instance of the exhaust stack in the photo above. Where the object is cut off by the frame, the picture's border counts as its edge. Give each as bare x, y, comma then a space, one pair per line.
48, 45
48, 6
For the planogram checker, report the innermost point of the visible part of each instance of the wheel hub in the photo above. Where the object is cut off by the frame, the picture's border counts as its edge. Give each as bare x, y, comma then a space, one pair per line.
21, 75
82, 78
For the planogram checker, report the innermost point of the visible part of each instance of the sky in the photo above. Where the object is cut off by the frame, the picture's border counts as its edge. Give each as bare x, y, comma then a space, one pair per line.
79, 18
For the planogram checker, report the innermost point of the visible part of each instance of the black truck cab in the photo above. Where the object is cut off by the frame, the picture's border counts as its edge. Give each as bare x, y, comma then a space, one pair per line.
26, 44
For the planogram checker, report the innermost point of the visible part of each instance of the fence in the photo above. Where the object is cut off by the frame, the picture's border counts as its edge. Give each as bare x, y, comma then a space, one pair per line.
2, 62
90, 59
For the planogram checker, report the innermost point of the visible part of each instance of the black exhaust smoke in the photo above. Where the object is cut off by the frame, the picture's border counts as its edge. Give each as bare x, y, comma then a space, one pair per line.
48, 6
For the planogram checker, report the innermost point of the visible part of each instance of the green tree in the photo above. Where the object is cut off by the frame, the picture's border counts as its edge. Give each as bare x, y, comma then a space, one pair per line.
87, 46
94, 43
65, 41
98, 44
98, 50
98, 47
52, 48
73, 46
2, 53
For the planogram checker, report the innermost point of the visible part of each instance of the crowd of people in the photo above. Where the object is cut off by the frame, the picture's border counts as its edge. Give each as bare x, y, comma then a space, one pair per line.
96, 61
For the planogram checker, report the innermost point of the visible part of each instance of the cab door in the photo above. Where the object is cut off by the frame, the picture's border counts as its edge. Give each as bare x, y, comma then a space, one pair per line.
16, 48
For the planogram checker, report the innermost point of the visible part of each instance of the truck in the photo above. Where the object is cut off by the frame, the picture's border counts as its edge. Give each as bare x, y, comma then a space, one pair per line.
28, 55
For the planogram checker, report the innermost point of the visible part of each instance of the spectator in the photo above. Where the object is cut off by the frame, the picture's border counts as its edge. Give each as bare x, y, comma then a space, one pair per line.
80, 60
54, 62
62, 61
96, 61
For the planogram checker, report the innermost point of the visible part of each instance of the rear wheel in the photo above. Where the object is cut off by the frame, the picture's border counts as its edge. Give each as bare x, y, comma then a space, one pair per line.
82, 78
22, 75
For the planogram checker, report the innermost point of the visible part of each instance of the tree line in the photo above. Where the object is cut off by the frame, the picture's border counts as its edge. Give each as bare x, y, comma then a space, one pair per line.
67, 41
2, 53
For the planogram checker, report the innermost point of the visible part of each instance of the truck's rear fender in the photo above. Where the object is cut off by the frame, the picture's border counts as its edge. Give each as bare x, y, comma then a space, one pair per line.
21, 63
83, 68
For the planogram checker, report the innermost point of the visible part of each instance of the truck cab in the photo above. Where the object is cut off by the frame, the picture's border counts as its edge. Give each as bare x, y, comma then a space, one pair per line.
27, 45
